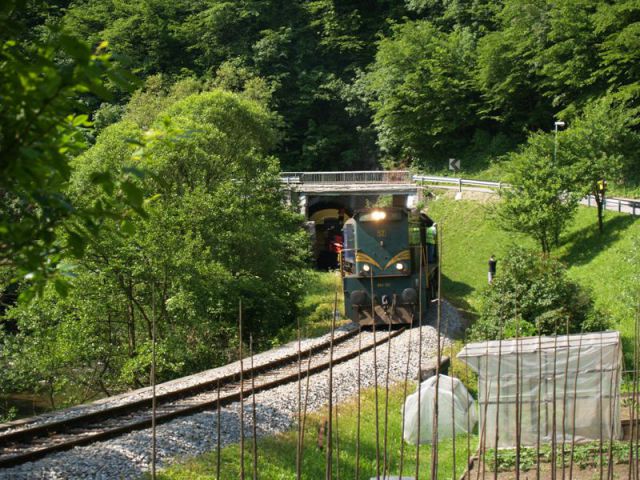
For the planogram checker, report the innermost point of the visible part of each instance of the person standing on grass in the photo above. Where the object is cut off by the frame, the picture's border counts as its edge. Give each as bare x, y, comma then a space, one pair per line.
492, 268
432, 240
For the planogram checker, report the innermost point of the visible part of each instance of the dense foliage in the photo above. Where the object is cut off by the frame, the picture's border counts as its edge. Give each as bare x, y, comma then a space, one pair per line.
412, 82
214, 232
532, 294
42, 119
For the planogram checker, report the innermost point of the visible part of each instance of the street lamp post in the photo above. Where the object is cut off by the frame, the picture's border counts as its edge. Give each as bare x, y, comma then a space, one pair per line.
555, 141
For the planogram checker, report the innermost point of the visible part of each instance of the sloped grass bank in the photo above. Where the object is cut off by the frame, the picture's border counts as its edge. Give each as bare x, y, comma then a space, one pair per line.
316, 307
277, 454
597, 261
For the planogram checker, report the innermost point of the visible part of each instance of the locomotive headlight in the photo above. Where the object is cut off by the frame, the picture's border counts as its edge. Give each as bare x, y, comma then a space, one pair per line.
399, 266
366, 267
378, 215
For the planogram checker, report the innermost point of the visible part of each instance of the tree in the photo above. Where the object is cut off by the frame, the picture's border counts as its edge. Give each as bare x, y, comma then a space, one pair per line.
507, 67
619, 51
42, 118
600, 144
532, 295
215, 231
422, 91
541, 201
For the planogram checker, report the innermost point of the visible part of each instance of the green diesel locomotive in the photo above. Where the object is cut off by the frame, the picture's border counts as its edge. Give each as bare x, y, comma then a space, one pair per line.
388, 272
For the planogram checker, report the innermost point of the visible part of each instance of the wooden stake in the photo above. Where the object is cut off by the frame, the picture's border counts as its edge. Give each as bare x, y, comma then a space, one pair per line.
241, 391
153, 386
357, 475
497, 433
385, 468
329, 453
404, 396
375, 377
420, 310
253, 413
299, 440
218, 439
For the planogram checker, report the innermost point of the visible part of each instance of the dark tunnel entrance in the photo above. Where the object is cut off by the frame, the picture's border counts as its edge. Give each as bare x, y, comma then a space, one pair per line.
328, 217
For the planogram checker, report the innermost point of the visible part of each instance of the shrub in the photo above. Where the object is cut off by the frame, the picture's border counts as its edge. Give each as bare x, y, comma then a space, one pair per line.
535, 290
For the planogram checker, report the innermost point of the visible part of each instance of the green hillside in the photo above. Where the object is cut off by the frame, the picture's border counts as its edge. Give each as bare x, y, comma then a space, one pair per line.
598, 262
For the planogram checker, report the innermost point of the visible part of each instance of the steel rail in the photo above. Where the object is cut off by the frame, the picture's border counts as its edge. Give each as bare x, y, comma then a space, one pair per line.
57, 426
74, 426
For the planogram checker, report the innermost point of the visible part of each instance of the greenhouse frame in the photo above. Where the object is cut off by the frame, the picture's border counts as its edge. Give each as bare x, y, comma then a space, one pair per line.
568, 384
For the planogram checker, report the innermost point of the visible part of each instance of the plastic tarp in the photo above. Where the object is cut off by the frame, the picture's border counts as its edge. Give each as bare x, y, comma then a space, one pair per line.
456, 407
568, 384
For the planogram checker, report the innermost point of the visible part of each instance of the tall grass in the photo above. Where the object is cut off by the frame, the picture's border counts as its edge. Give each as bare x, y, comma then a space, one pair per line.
277, 454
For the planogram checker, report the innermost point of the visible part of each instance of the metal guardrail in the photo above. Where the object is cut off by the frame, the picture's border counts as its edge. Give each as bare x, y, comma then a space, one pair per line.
460, 182
622, 205
354, 177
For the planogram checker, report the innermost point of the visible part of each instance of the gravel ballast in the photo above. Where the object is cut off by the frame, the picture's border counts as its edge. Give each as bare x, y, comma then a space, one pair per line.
128, 456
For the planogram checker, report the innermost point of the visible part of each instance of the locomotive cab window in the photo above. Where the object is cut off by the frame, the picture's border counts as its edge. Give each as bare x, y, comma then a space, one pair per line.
349, 250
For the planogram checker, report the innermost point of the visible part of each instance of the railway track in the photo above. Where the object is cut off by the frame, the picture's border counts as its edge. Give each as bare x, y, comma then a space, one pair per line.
36, 441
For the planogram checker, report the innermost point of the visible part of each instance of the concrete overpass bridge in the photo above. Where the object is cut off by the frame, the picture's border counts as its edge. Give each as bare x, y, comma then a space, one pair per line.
348, 190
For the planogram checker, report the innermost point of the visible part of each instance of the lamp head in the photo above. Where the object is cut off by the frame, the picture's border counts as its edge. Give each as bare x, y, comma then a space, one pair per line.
559, 124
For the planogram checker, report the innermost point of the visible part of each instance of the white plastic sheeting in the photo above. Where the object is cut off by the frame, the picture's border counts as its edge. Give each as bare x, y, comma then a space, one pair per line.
455, 407
565, 384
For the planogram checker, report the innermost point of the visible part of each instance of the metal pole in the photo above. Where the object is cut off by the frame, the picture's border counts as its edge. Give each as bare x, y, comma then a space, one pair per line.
253, 404
553, 414
466, 374
404, 397
600, 413
518, 393
434, 444
299, 442
613, 395
635, 400
337, 440
153, 385
564, 401
218, 440
497, 432
575, 401
375, 376
241, 390
304, 413
329, 456
483, 430
385, 468
420, 294
357, 477
632, 404
539, 406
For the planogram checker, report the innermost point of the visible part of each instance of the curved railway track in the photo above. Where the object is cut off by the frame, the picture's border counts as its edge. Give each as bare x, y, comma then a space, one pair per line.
31, 442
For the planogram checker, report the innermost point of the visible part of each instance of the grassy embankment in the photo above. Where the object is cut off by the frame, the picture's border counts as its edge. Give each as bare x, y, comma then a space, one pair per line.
598, 262
316, 308
277, 454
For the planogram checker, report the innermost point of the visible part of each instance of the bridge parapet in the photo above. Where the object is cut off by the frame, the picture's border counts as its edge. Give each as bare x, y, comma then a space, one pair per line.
349, 178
